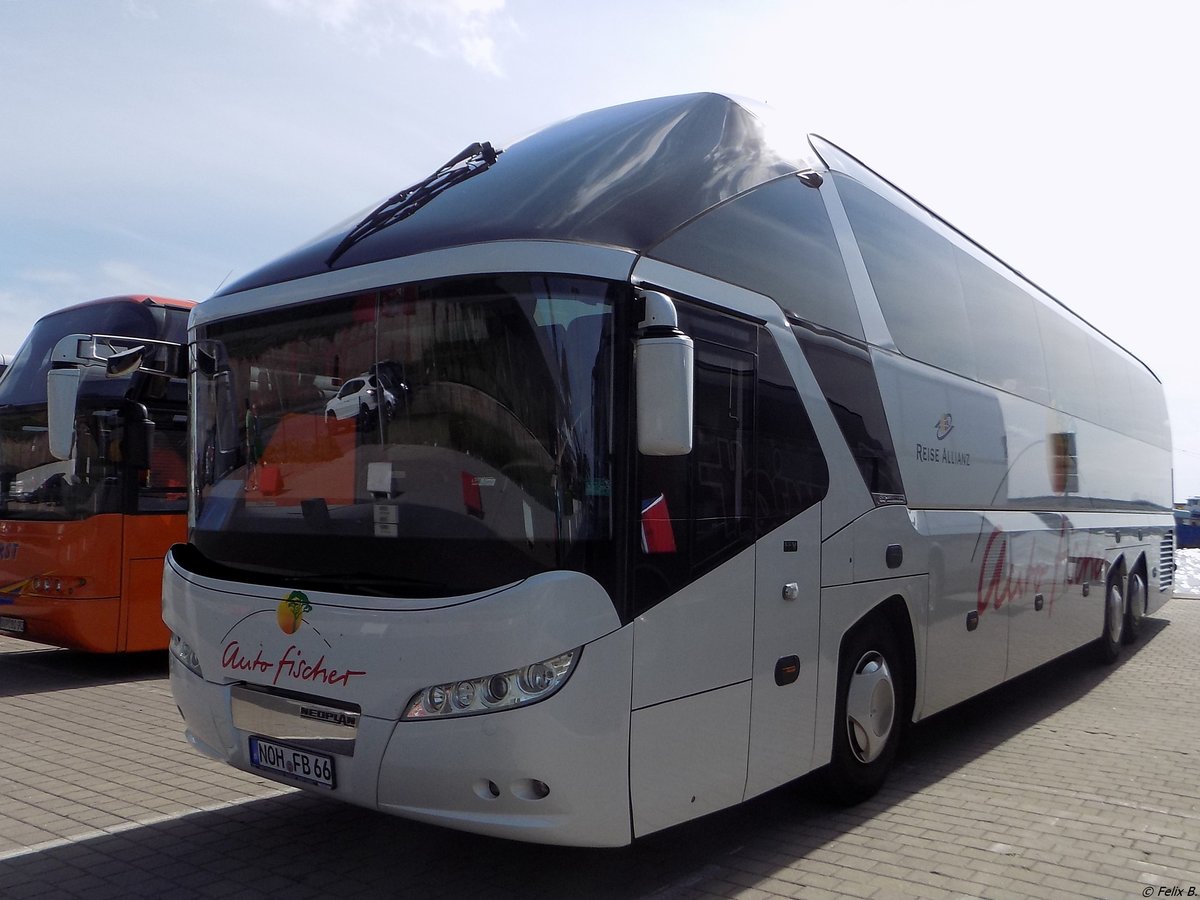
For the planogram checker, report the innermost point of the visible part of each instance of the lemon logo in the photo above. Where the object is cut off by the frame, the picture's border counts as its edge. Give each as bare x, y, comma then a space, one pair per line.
291, 611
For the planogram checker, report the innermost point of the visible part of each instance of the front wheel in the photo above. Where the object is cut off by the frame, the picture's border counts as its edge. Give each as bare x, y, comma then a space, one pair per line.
868, 717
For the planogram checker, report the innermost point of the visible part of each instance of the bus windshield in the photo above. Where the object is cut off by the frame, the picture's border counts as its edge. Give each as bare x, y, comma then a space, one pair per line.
33, 483
424, 440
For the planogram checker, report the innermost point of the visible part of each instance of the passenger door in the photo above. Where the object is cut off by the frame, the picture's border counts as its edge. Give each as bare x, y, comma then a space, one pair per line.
694, 588
714, 622
790, 477
787, 618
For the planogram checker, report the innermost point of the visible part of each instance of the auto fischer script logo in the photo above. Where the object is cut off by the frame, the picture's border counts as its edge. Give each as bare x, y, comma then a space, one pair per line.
296, 663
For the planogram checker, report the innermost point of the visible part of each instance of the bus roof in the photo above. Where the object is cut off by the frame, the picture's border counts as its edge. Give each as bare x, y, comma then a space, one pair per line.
126, 298
623, 177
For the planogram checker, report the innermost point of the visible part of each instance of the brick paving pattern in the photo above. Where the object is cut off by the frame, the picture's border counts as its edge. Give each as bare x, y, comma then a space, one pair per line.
1072, 781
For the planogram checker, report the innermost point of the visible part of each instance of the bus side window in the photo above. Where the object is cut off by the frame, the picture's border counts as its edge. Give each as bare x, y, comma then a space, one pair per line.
756, 461
843, 369
790, 471
697, 510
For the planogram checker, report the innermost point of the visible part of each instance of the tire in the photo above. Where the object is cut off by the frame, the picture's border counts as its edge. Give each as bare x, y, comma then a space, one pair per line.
1135, 607
869, 714
1114, 621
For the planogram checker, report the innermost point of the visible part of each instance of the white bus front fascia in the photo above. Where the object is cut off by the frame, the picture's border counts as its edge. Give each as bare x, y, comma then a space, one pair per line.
558, 257
485, 772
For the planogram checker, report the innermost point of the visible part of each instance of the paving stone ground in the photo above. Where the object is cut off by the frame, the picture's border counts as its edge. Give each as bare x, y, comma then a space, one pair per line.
1073, 781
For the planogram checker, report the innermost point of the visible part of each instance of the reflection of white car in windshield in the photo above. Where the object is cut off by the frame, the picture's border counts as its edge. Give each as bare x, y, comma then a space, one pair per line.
359, 397
42, 484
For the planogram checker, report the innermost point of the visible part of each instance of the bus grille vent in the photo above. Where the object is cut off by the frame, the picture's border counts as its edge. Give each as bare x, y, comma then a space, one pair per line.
1166, 562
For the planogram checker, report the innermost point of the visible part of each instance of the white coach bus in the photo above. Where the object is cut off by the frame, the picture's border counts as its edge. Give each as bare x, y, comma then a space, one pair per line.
686, 461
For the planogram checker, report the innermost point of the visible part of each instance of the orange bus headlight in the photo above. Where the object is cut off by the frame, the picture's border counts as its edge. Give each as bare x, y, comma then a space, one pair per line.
56, 585
505, 690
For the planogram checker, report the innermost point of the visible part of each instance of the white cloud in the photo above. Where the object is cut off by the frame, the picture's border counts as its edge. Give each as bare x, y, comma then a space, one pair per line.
466, 29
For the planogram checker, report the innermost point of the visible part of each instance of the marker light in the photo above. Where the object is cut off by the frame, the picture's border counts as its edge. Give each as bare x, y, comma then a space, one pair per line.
505, 690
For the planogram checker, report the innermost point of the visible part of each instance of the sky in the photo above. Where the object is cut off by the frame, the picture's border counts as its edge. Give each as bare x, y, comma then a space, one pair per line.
167, 146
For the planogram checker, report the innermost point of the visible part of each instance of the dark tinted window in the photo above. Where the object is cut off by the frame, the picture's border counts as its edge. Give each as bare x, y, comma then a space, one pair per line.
946, 307
791, 474
1004, 328
755, 461
776, 240
1068, 364
916, 279
847, 378
478, 427
1150, 421
1110, 382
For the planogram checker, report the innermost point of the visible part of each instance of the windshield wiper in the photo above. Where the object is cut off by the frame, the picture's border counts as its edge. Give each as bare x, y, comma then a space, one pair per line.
472, 161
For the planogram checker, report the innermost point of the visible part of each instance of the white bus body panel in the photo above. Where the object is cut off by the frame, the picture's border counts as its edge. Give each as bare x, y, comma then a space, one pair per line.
688, 757
691, 698
787, 621
575, 743
378, 653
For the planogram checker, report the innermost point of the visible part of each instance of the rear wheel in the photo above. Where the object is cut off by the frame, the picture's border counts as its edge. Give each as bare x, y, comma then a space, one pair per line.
1114, 621
868, 717
1135, 607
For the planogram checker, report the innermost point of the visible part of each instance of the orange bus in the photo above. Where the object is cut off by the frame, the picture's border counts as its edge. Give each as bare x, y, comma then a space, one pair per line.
93, 474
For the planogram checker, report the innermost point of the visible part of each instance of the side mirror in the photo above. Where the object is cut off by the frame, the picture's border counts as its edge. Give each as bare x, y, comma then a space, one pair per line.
62, 389
664, 363
125, 362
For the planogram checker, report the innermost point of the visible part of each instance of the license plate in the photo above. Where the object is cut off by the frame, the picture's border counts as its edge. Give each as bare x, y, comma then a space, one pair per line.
11, 623
291, 762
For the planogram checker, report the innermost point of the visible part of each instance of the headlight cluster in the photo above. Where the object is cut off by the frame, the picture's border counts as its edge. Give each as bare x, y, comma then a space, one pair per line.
493, 692
183, 652
63, 585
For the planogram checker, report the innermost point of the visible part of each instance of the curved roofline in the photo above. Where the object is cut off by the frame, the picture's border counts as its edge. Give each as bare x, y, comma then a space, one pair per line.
151, 299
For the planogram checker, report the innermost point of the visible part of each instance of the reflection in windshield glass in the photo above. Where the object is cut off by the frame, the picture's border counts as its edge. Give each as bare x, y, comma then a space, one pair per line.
454, 434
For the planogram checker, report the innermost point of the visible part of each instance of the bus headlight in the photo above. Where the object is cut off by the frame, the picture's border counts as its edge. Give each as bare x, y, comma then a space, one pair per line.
489, 693
183, 652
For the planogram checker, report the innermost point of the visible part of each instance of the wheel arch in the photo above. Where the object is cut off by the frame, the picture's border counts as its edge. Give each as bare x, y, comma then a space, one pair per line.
893, 615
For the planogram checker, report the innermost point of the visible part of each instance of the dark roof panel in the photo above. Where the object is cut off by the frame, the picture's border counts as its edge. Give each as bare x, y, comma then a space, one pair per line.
622, 177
